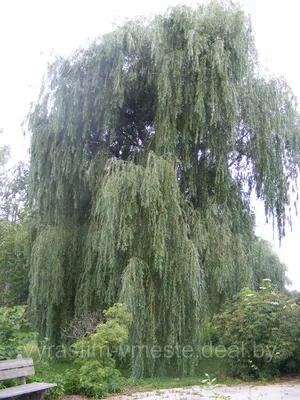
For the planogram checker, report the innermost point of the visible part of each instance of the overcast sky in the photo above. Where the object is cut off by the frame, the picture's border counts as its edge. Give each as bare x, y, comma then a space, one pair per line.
30, 30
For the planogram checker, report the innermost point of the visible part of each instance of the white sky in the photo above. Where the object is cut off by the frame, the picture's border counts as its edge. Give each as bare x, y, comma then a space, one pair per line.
31, 30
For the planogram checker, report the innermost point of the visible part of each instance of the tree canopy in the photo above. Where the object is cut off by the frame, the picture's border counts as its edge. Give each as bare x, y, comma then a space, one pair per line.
145, 149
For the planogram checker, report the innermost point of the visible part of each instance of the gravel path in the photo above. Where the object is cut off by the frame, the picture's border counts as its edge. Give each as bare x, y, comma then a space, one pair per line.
288, 391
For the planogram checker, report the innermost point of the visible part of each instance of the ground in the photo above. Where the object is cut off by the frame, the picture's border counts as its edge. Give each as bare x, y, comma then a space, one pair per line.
288, 390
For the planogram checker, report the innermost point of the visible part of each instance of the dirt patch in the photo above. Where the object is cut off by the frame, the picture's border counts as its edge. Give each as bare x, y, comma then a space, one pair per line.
288, 377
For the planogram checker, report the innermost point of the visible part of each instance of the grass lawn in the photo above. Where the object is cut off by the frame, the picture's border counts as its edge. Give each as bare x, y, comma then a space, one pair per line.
210, 365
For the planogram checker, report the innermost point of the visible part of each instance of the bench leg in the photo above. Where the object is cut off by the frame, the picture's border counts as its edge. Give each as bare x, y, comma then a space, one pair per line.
36, 395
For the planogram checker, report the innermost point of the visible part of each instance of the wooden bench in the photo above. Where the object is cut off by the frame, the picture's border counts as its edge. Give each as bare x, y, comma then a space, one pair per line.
20, 368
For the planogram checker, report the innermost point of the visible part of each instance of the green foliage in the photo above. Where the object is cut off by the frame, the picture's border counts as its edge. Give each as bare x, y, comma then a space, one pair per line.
145, 150
208, 334
261, 331
14, 193
14, 269
56, 253
4, 157
108, 337
267, 264
47, 375
97, 355
13, 187
94, 380
14, 331
157, 248
14, 279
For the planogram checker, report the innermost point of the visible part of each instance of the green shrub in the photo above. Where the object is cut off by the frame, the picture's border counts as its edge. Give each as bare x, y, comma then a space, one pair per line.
94, 380
14, 331
98, 354
261, 332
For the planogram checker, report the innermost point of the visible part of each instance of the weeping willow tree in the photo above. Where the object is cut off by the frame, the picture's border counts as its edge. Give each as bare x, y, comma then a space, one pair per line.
145, 149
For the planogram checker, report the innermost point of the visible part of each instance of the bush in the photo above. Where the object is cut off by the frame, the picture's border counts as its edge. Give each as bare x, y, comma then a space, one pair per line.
94, 380
261, 333
14, 331
98, 354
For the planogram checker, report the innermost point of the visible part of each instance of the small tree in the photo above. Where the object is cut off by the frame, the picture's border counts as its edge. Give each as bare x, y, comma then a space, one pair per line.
261, 331
97, 354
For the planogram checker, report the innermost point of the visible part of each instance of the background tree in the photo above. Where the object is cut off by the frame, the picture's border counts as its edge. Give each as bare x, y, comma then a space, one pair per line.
267, 264
14, 193
14, 279
262, 262
145, 149
4, 157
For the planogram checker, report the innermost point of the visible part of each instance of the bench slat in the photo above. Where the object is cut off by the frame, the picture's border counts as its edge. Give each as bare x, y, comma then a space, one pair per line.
8, 364
25, 389
16, 373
